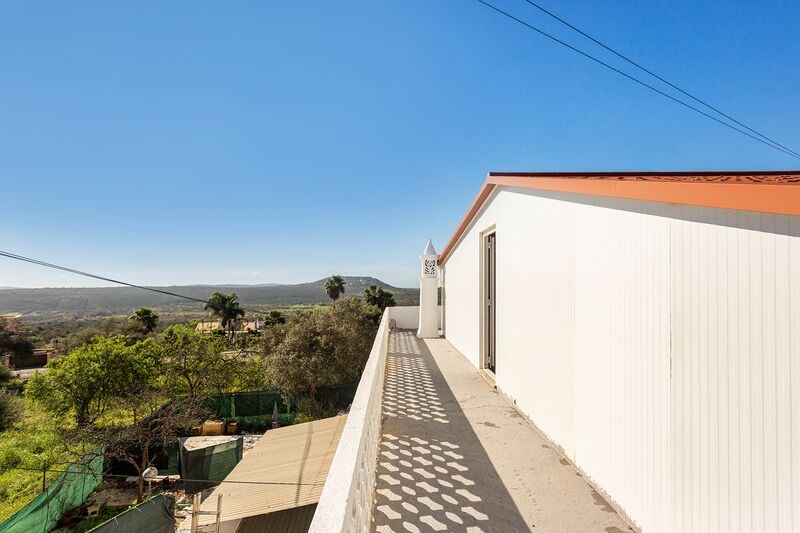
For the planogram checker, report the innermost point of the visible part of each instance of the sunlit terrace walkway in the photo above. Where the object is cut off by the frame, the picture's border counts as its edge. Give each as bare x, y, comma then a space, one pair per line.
455, 456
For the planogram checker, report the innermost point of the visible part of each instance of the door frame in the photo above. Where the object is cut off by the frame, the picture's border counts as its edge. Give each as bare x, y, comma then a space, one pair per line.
484, 319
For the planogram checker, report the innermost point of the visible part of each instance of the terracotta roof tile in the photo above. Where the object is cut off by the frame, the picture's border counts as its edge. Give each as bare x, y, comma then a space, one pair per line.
781, 177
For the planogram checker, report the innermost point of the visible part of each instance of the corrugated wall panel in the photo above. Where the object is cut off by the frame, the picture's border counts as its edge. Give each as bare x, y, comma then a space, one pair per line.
735, 394
583, 338
535, 313
622, 358
658, 345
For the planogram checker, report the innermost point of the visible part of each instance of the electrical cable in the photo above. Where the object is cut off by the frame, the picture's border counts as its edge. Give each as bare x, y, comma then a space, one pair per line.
89, 471
636, 80
656, 76
111, 280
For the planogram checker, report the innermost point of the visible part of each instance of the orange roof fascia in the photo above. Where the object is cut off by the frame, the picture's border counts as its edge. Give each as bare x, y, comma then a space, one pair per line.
472, 212
702, 189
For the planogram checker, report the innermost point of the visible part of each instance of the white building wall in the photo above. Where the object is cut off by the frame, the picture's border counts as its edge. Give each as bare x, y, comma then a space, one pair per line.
595, 296
461, 317
736, 371
536, 312
407, 316
622, 358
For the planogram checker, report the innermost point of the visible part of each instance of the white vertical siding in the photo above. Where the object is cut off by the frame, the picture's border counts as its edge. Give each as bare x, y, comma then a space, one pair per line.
582, 332
622, 359
735, 306
462, 307
658, 345
536, 312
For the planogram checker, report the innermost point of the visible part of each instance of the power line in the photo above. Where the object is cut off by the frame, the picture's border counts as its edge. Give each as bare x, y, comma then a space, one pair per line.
110, 280
656, 76
89, 470
636, 80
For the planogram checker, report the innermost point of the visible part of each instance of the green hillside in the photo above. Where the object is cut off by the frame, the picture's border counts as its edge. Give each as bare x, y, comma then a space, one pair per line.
92, 303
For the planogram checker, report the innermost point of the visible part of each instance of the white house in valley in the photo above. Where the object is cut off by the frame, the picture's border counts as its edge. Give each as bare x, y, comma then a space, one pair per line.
645, 327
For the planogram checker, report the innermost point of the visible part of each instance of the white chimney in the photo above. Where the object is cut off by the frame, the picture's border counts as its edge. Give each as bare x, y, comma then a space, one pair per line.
429, 294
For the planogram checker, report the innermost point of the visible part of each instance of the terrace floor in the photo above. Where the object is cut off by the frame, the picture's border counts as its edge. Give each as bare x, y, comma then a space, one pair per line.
456, 456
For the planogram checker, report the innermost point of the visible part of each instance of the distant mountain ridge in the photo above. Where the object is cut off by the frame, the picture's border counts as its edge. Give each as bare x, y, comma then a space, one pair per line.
50, 303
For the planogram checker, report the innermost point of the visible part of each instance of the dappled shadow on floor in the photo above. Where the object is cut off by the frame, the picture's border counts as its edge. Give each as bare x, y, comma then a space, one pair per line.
433, 473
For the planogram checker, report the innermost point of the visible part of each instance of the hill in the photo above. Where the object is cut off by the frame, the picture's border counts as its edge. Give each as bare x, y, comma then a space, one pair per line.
92, 303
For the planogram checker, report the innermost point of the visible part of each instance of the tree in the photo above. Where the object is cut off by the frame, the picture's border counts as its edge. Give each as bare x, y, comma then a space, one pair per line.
225, 307
379, 297
146, 318
274, 317
194, 363
92, 379
134, 443
155, 426
322, 348
334, 286
14, 339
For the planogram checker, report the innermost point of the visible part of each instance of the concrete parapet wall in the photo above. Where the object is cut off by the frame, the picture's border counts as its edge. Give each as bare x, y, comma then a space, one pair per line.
346, 500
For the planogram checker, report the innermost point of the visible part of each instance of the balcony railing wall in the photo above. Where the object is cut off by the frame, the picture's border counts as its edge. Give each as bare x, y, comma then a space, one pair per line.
346, 500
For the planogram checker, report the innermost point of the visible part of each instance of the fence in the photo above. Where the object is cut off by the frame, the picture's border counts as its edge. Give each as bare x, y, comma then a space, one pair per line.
155, 515
253, 409
67, 492
209, 464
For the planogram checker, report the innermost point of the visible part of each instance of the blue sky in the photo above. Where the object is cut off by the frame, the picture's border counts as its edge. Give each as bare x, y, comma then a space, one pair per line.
250, 142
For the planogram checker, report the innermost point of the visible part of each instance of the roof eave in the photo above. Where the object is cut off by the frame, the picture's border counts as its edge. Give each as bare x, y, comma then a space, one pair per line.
775, 198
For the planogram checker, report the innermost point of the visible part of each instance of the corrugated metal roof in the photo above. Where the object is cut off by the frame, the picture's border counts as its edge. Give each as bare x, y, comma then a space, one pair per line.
286, 468
296, 520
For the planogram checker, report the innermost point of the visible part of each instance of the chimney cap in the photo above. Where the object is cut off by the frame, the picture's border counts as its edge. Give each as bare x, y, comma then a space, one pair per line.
429, 250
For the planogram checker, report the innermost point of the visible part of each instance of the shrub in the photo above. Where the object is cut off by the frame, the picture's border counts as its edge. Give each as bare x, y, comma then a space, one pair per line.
10, 409
10, 458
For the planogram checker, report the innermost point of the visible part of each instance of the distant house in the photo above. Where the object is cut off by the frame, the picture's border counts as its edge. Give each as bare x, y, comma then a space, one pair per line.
241, 326
39, 357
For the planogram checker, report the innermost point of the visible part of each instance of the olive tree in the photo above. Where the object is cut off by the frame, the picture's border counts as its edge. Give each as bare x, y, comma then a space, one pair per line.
323, 348
92, 379
197, 363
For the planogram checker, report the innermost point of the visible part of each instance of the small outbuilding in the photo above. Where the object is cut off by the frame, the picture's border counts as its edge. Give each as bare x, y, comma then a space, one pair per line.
276, 486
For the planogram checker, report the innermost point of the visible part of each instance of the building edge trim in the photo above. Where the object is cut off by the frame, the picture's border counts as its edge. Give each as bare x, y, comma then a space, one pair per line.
773, 198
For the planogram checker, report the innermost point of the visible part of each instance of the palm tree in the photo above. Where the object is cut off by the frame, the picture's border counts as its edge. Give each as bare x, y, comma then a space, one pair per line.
334, 286
225, 307
146, 318
379, 297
